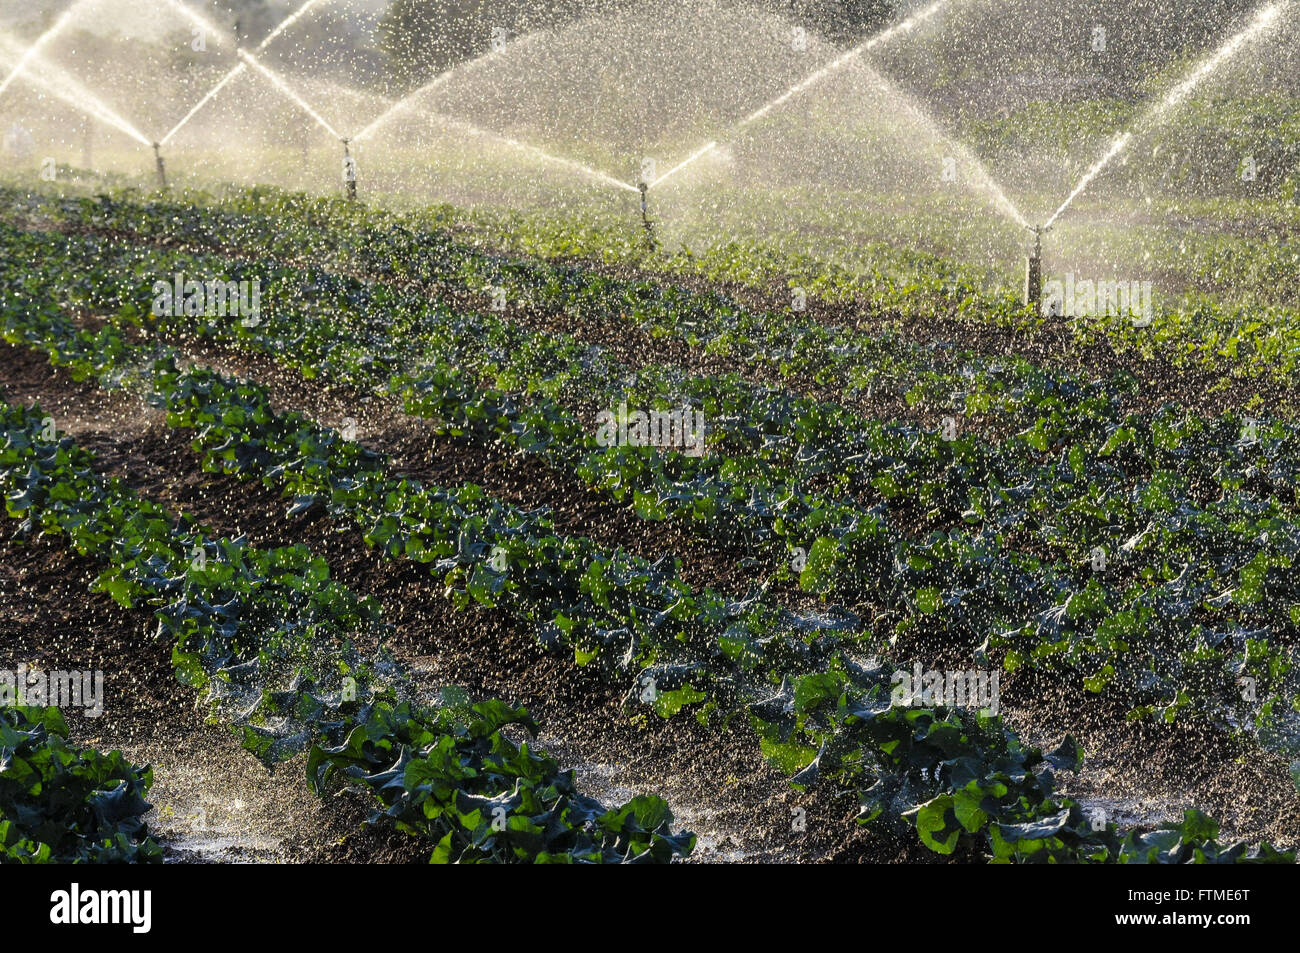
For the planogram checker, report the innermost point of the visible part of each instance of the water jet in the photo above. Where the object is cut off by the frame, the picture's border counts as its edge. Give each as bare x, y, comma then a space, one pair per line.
62, 86
456, 72
239, 67
287, 91
837, 64
211, 94
1265, 19
35, 48
697, 154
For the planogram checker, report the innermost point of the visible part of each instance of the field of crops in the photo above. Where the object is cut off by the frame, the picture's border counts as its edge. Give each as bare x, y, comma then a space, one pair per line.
513, 542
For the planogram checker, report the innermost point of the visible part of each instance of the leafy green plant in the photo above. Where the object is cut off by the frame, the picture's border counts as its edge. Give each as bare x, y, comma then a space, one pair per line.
62, 804
452, 777
965, 784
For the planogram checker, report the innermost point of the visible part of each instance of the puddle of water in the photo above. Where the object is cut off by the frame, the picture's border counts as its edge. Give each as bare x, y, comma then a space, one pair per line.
713, 845
214, 803
1126, 812
212, 830
197, 849
601, 780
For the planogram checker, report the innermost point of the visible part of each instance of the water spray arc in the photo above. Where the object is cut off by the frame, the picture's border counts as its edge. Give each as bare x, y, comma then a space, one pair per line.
239, 67
536, 152
250, 60
1265, 18
211, 94
834, 66
287, 22
288, 92
74, 94
459, 71
401, 105
33, 50
841, 61
545, 156
68, 90
208, 28
349, 163
698, 153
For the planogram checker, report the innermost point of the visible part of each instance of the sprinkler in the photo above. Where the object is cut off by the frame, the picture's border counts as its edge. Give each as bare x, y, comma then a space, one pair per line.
645, 218
349, 172
162, 168
1034, 267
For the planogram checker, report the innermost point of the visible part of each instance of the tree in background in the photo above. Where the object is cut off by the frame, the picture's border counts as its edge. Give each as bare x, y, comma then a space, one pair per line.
248, 20
422, 38
841, 21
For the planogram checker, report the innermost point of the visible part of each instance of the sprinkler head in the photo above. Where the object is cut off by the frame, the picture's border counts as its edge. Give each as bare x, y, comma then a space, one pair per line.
1039, 231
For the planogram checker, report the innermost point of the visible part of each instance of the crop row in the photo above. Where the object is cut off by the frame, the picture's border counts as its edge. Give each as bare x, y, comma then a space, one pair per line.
266, 635
928, 596
952, 777
432, 248
400, 270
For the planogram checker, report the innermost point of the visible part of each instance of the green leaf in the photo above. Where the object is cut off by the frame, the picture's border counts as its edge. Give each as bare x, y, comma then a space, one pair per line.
933, 825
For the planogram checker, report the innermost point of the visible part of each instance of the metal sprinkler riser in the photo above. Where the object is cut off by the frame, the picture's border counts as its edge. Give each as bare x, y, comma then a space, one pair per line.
349, 172
646, 223
1034, 268
160, 165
